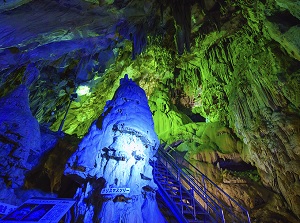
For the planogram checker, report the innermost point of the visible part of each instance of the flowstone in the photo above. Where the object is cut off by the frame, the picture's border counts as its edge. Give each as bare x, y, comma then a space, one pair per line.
112, 162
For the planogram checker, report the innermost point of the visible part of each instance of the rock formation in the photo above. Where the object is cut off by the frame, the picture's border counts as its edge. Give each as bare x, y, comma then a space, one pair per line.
114, 157
222, 76
20, 147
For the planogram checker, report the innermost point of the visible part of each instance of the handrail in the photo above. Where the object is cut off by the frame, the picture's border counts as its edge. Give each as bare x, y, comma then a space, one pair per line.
166, 197
213, 209
230, 211
173, 208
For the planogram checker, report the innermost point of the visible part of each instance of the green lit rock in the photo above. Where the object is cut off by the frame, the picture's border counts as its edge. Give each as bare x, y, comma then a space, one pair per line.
166, 117
292, 6
242, 76
205, 142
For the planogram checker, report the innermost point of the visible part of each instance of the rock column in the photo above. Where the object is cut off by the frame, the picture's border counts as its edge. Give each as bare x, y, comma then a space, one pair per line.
112, 162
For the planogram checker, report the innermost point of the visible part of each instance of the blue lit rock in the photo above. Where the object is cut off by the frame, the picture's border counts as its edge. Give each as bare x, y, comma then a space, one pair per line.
22, 145
19, 137
117, 150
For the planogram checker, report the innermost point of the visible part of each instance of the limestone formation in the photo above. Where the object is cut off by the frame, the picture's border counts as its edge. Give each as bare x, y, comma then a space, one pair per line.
239, 77
20, 138
116, 151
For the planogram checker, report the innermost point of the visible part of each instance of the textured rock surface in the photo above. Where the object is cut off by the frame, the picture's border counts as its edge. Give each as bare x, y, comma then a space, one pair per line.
241, 76
116, 151
258, 96
20, 147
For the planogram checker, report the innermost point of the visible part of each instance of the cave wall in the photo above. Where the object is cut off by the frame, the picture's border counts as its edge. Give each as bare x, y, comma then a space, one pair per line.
240, 76
251, 82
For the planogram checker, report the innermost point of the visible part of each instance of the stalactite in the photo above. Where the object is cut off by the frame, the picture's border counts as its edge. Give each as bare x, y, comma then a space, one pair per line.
182, 14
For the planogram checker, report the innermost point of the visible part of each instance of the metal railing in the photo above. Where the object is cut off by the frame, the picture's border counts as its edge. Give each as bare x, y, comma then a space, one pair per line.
197, 192
233, 211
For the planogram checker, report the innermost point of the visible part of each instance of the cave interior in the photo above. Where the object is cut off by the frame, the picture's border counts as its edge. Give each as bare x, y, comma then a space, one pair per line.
221, 80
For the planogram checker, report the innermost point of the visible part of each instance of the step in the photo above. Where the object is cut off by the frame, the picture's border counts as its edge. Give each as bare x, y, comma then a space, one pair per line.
172, 183
190, 217
165, 176
162, 172
181, 197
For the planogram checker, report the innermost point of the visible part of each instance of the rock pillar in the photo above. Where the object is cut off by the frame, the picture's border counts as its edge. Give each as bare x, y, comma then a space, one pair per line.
112, 162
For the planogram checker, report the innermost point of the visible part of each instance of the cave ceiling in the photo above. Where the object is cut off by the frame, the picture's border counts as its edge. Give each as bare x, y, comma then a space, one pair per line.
213, 71
64, 46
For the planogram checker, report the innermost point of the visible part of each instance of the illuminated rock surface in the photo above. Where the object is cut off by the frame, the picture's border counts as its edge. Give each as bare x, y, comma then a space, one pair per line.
233, 99
20, 147
115, 153
20, 137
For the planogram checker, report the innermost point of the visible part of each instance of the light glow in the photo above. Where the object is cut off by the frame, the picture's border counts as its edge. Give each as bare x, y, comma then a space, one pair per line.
83, 90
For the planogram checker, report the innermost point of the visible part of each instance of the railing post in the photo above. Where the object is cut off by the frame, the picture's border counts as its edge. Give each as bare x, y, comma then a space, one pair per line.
180, 189
178, 174
181, 202
249, 220
205, 195
193, 202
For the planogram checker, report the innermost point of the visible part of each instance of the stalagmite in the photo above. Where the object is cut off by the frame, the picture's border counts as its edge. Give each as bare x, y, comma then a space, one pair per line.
20, 137
112, 162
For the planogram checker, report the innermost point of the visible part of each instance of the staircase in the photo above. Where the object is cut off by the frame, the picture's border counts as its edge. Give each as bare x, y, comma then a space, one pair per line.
188, 200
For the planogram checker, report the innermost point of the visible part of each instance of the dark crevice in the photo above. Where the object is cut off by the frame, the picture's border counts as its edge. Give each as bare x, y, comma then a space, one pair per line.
197, 118
285, 20
234, 166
